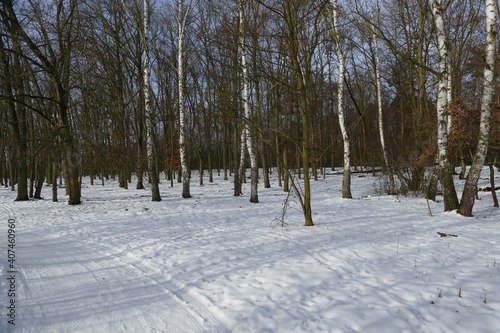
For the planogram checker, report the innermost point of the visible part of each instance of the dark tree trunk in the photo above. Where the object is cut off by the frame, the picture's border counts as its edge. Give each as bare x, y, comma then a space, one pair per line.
139, 169
54, 181
432, 187
40, 178
236, 163
18, 122
254, 178
492, 183
449, 193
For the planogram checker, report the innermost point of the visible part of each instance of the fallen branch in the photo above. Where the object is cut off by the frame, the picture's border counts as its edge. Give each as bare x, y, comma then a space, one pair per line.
444, 234
488, 188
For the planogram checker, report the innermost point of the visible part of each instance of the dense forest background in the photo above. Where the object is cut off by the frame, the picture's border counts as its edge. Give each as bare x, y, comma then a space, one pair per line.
109, 88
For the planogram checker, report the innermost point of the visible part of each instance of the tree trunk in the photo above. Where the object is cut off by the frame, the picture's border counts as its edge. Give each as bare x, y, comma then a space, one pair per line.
181, 22
254, 178
54, 181
444, 167
432, 187
306, 135
153, 176
470, 188
243, 153
17, 114
492, 184
346, 178
139, 171
236, 176
40, 178
387, 165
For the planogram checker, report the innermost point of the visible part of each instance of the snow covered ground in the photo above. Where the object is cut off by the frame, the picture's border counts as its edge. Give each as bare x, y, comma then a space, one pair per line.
217, 263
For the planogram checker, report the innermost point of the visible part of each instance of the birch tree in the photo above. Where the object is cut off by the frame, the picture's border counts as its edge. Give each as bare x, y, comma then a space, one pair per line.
182, 14
443, 163
380, 112
153, 176
346, 178
470, 188
254, 173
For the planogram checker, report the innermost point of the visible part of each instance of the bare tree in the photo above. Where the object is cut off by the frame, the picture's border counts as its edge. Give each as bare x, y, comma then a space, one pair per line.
17, 113
294, 16
385, 154
444, 167
149, 111
182, 15
470, 188
346, 180
254, 175
53, 56
150, 123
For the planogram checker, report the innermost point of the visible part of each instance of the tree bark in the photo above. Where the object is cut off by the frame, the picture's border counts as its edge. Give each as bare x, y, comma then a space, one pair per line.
254, 174
470, 188
346, 178
181, 24
306, 135
17, 114
492, 184
153, 176
444, 167
387, 165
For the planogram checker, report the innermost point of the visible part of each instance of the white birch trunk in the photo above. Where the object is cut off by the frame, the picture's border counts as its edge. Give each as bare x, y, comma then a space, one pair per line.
470, 188
449, 194
442, 97
181, 24
346, 180
380, 116
243, 156
247, 132
449, 98
153, 177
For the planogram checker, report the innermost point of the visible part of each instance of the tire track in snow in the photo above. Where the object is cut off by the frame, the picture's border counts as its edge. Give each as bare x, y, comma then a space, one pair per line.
8, 210
67, 285
184, 304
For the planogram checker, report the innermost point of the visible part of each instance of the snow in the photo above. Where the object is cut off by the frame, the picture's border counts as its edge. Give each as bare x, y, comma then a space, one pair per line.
217, 263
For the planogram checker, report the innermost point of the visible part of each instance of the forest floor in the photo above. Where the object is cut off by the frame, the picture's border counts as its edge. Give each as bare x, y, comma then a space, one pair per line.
217, 263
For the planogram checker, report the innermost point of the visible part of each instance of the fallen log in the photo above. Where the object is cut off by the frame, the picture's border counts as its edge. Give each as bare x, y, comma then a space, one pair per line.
488, 189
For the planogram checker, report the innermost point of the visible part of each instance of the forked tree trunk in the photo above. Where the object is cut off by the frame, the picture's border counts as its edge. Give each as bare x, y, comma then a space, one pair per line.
72, 167
40, 177
470, 188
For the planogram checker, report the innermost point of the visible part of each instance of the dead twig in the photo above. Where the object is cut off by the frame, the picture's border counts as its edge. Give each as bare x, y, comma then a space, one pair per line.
444, 234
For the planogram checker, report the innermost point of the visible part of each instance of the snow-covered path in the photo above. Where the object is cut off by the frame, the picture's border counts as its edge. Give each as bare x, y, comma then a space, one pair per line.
216, 263
67, 284
75, 287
